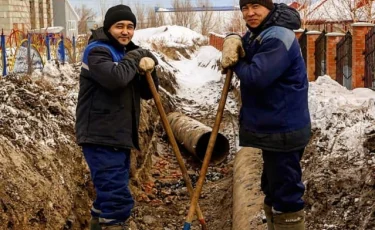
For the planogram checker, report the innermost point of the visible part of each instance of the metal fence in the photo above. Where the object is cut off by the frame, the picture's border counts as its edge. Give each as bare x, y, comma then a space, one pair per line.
344, 61
303, 44
369, 53
320, 55
25, 52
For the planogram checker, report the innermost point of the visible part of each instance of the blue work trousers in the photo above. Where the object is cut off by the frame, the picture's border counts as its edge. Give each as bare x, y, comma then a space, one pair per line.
282, 180
109, 169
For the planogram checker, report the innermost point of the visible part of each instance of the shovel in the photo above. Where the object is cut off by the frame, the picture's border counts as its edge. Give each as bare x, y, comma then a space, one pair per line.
210, 147
176, 150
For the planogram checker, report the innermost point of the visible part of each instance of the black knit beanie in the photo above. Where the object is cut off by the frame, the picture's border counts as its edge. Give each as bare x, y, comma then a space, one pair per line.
266, 3
118, 13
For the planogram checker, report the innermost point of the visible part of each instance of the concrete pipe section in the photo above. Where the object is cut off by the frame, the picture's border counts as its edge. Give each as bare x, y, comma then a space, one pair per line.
247, 197
194, 136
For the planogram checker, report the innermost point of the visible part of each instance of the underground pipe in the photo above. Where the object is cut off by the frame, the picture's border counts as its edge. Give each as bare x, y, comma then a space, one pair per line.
194, 136
247, 197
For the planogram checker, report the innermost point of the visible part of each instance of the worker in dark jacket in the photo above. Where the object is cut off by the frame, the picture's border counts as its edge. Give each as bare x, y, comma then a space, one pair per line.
274, 115
108, 112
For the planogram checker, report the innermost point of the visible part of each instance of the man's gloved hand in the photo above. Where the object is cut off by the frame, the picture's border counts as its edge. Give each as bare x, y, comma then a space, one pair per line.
232, 51
146, 64
140, 53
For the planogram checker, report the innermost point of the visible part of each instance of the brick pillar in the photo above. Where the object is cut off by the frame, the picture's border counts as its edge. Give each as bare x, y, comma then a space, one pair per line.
311, 38
220, 43
332, 40
299, 32
210, 39
358, 60
215, 41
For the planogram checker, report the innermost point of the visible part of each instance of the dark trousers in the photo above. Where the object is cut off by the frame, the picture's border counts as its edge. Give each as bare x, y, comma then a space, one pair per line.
109, 169
282, 180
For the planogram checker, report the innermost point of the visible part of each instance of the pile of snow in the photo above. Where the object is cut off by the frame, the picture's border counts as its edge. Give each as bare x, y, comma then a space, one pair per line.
200, 81
343, 117
168, 36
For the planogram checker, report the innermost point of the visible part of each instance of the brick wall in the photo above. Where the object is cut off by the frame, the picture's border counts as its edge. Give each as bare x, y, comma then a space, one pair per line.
332, 40
358, 70
217, 40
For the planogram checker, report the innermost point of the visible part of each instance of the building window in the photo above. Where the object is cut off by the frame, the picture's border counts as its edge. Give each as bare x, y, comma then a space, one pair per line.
71, 25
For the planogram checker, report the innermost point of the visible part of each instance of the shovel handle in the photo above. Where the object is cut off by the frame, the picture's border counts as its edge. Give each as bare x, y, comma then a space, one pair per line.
174, 144
210, 147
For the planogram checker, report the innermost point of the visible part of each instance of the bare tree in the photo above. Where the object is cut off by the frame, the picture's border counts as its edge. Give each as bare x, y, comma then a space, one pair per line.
140, 13
151, 18
85, 14
103, 9
237, 23
184, 14
205, 17
303, 7
160, 19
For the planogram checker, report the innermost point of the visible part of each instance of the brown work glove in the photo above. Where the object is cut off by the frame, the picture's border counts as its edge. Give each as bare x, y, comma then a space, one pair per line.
232, 51
146, 64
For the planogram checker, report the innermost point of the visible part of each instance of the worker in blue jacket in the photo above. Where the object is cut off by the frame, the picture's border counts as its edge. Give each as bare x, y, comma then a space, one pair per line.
108, 111
274, 115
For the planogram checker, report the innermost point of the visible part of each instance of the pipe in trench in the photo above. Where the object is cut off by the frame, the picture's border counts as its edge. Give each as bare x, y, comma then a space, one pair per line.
247, 197
194, 136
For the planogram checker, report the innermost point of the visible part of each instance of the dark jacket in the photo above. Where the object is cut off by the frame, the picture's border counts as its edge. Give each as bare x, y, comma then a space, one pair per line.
108, 106
274, 87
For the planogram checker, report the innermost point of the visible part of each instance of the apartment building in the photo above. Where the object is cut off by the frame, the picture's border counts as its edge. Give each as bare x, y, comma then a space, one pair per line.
28, 15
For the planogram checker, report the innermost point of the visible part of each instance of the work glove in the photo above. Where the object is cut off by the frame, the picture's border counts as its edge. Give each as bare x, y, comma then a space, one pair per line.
232, 51
137, 54
146, 64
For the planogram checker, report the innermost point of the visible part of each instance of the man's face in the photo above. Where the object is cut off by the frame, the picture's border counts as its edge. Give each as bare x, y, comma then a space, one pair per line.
254, 14
122, 31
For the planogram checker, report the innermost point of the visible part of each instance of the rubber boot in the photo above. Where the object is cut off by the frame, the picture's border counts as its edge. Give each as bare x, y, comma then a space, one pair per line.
289, 221
269, 216
127, 225
94, 224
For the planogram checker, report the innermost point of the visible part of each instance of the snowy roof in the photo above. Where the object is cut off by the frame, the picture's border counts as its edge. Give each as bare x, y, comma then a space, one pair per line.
339, 10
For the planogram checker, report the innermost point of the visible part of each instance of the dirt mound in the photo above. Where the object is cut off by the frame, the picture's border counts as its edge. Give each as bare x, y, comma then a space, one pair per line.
339, 163
43, 175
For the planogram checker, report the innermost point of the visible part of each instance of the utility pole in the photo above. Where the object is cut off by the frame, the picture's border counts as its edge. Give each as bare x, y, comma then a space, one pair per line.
121, 1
